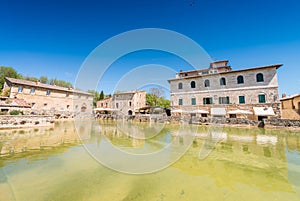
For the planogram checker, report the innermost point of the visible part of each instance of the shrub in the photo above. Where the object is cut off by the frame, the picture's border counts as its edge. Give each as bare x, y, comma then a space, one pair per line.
15, 112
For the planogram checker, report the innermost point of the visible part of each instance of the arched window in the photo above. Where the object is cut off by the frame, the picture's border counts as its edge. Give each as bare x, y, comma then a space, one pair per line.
259, 77
180, 85
222, 81
240, 79
206, 83
193, 84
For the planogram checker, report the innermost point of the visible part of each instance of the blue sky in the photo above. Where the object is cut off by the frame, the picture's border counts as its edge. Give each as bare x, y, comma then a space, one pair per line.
54, 37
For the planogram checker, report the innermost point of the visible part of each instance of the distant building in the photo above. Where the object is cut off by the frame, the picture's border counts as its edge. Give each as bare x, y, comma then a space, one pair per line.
221, 91
290, 107
126, 103
105, 103
49, 99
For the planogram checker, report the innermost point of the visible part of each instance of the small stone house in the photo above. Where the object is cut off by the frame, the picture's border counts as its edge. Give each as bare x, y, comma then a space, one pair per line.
290, 107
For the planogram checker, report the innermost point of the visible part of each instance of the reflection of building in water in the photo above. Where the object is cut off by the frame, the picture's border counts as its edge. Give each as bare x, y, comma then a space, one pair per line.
22, 140
241, 159
123, 134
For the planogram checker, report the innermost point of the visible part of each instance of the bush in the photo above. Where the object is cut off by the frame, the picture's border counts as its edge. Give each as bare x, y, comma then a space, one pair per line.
15, 112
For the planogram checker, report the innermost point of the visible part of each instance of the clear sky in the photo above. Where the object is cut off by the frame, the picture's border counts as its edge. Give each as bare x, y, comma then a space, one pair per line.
54, 37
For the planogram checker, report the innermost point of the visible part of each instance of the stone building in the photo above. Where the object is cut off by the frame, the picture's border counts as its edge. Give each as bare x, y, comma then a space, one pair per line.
105, 103
290, 107
129, 102
126, 103
221, 91
49, 99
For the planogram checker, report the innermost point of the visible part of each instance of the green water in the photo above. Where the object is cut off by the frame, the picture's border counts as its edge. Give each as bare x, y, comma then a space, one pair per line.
238, 164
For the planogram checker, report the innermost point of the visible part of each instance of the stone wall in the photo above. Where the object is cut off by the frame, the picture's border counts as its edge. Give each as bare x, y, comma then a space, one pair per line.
21, 121
280, 123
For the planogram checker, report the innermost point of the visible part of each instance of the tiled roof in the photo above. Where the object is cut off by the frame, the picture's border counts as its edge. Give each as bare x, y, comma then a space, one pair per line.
45, 86
290, 97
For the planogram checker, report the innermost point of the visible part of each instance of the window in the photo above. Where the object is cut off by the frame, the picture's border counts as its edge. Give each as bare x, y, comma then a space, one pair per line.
180, 85
193, 101
129, 103
242, 99
261, 98
259, 77
207, 101
224, 100
180, 102
117, 105
206, 83
20, 89
48, 92
101, 104
79, 96
240, 79
193, 84
32, 90
222, 81
67, 95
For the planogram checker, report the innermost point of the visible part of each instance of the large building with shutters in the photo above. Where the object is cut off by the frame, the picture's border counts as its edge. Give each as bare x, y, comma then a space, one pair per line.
223, 92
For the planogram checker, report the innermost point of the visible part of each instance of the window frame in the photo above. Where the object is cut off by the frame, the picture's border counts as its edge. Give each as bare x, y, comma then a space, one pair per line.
260, 77
193, 84
240, 79
193, 101
180, 101
264, 98
243, 98
222, 81
224, 100
20, 89
206, 83
210, 102
180, 85
32, 90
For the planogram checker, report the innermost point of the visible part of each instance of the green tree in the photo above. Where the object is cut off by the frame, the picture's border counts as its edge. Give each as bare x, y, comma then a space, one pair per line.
6, 72
44, 79
156, 98
101, 96
96, 97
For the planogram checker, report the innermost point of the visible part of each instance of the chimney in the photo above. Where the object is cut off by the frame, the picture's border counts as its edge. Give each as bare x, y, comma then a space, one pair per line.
37, 82
283, 96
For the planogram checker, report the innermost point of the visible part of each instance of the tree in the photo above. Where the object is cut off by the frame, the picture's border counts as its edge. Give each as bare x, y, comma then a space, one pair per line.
101, 96
6, 72
157, 92
44, 79
96, 97
155, 98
